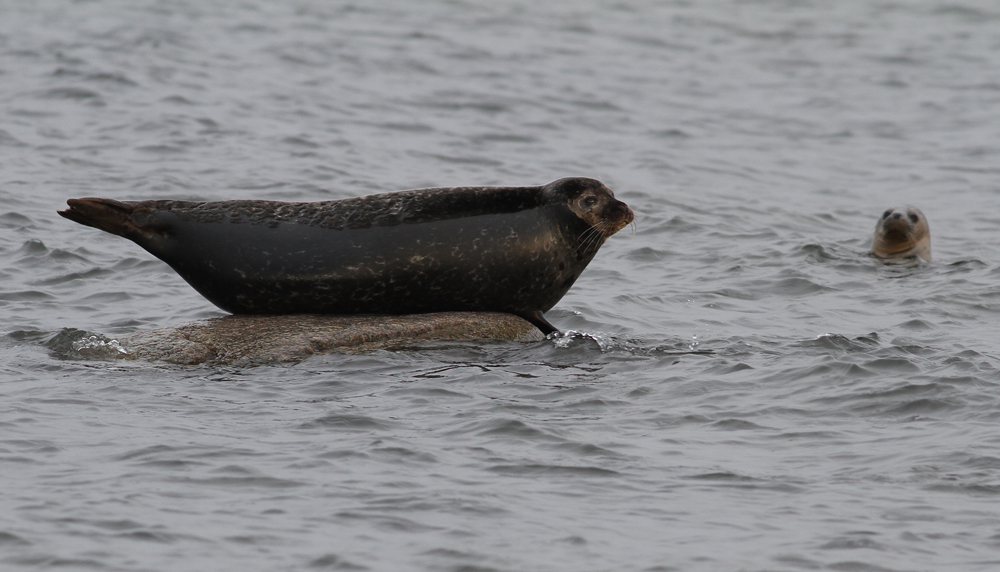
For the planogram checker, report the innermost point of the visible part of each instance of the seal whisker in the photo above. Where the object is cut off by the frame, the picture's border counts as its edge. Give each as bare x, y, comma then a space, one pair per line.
602, 233
587, 237
593, 235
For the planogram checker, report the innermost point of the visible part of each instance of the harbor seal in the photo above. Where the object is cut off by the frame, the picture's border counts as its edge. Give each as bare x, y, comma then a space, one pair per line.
502, 249
902, 232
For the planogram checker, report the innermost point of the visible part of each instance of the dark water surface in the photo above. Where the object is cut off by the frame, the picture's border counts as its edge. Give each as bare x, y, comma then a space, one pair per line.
739, 388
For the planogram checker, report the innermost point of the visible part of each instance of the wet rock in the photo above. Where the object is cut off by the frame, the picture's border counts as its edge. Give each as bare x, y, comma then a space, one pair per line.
252, 340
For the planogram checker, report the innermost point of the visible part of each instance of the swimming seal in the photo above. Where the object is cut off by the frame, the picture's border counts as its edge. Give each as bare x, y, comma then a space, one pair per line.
501, 249
902, 232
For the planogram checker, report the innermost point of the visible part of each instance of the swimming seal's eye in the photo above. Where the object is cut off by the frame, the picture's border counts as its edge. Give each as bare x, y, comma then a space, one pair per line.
914, 218
589, 201
887, 213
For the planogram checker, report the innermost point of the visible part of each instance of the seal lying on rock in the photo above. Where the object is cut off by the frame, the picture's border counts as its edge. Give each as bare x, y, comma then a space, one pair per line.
902, 232
464, 249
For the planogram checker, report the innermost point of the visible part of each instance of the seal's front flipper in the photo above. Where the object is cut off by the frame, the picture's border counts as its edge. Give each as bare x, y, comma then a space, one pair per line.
539, 321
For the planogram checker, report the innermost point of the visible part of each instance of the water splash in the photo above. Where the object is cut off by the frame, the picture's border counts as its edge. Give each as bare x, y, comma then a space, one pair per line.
71, 343
99, 346
635, 347
569, 338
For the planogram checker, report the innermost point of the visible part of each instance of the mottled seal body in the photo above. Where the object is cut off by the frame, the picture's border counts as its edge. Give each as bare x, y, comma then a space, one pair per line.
504, 249
902, 232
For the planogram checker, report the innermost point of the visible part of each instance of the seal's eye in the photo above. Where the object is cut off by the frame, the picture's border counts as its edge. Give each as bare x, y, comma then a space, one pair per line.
887, 213
914, 218
589, 201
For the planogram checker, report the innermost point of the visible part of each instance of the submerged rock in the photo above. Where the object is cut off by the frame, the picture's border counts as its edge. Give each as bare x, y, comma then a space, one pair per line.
251, 340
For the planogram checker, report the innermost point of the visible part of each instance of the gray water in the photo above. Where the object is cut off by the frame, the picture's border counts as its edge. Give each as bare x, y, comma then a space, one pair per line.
738, 387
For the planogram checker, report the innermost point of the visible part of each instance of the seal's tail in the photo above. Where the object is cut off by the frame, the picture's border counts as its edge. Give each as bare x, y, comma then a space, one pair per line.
106, 214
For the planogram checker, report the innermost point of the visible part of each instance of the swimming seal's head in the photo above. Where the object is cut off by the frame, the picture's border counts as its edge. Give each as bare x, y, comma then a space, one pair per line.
902, 232
593, 203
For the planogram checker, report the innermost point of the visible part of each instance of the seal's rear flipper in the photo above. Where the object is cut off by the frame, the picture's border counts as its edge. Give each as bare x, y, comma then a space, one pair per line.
106, 214
540, 322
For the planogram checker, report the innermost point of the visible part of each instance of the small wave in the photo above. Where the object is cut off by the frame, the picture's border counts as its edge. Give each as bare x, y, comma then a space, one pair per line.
334, 562
573, 339
386, 522
892, 364
344, 421
32, 247
724, 476
798, 286
86, 96
161, 149
405, 127
8, 539
853, 541
111, 78
6, 139
552, 470
13, 220
72, 276
150, 536
71, 343
737, 425
457, 159
178, 99
824, 253
503, 138
302, 141
26, 296
255, 481
70, 93
513, 428
839, 342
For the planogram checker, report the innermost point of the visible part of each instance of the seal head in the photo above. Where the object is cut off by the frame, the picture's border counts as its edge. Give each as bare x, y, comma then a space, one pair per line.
594, 204
902, 232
